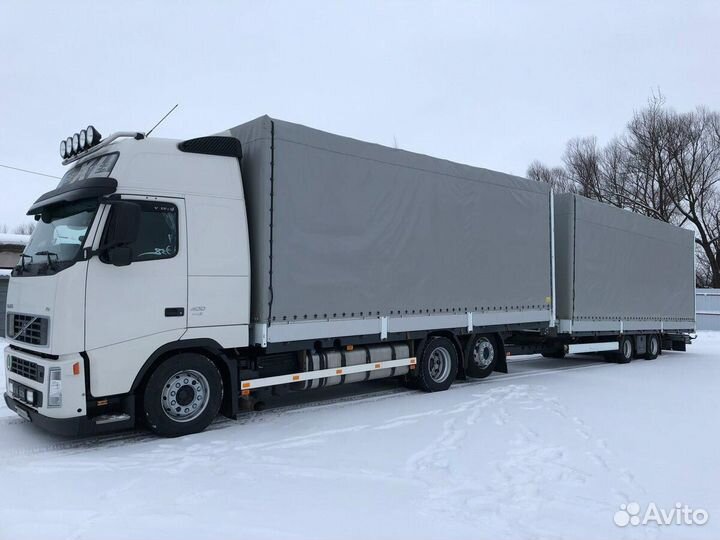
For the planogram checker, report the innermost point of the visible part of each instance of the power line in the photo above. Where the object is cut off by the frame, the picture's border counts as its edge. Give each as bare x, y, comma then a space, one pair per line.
29, 172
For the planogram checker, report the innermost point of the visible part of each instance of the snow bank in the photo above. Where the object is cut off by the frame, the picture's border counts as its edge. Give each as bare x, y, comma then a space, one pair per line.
550, 450
14, 239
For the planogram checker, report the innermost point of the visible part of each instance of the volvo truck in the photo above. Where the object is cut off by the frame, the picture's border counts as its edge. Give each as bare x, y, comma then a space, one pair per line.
169, 281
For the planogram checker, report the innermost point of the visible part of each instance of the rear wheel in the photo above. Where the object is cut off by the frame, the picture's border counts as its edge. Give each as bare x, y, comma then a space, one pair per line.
481, 355
652, 348
626, 351
438, 365
183, 395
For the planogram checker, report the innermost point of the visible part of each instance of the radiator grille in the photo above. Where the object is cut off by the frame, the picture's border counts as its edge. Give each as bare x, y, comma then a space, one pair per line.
27, 369
28, 328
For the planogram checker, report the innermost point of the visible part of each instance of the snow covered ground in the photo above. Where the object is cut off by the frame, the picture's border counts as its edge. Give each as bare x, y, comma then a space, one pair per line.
550, 450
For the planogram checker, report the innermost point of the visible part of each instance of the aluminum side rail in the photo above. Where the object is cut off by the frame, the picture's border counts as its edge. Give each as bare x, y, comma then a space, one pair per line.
253, 384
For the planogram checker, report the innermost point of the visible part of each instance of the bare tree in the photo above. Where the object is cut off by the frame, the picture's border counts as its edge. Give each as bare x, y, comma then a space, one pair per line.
695, 155
25, 228
554, 176
666, 165
649, 163
582, 163
3, 228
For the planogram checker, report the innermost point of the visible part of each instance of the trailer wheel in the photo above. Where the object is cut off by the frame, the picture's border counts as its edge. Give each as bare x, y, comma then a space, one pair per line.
438, 365
183, 395
481, 355
653, 347
626, 352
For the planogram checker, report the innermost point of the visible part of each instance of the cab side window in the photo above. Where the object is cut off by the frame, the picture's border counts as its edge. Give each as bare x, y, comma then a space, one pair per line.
157, 233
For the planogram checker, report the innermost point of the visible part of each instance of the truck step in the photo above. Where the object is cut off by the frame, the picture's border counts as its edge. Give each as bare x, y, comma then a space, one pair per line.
111, 418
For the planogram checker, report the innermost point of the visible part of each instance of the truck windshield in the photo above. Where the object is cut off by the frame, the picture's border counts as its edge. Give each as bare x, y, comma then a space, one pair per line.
57, 239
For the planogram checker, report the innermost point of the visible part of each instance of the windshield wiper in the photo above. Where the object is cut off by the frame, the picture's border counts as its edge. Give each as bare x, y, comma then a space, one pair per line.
22, 261
49, 254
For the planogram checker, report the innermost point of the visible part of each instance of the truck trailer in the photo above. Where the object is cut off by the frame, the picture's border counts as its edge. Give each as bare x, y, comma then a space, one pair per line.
169, 280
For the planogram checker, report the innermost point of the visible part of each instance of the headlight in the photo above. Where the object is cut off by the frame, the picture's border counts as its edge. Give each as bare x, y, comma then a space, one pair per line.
63, 149
55, 391
68, 146
83, 139
76, 143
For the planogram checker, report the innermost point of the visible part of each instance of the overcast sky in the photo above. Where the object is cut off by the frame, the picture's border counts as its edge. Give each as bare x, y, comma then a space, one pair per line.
493, 84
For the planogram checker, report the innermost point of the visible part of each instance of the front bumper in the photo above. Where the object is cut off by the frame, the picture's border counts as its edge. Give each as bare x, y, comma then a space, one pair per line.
72, 417
33, 372
68, 427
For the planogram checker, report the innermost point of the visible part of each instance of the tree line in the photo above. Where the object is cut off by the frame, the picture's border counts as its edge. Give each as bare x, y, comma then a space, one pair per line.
665, 165
25, 228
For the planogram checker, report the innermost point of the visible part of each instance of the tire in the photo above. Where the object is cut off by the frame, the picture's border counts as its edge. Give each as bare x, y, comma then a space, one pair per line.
438, 365
194, 401
652, 348
626, 352
559, 354
481, 354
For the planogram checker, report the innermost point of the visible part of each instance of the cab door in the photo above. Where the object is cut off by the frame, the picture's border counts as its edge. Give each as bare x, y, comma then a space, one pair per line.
144, 303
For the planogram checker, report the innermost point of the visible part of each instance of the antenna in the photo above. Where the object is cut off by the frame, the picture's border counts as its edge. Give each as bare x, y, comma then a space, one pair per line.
161, 120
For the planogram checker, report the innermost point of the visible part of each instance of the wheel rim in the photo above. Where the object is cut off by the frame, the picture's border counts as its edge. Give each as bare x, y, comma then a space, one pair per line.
483, 353
627, 349
185, 395
439, 364
653, 346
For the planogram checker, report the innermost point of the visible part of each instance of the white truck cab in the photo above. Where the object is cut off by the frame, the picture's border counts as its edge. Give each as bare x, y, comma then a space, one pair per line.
104, 286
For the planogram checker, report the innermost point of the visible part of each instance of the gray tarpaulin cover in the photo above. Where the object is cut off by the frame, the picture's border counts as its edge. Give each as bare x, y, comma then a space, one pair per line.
614, 264
343, 229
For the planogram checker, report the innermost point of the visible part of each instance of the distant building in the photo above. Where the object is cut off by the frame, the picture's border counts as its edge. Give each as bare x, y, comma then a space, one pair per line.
11, 246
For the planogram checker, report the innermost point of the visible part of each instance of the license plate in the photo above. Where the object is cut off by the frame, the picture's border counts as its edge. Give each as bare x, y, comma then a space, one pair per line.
22, 413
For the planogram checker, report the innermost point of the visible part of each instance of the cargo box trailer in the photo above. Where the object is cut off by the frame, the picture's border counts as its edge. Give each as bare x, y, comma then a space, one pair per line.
171, 280
622, 276
351, 238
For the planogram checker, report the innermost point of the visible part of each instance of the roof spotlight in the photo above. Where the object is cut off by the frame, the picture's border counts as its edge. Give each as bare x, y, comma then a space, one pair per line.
80, 142
93, 136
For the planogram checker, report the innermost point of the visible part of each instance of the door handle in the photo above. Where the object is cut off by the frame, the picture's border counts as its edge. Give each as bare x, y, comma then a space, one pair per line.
174, 311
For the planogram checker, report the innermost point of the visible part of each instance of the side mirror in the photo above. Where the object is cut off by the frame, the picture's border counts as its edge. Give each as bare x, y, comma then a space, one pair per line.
120, 255
124, 223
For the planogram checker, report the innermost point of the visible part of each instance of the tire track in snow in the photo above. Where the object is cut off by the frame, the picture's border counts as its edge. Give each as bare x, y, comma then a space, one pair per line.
599, 453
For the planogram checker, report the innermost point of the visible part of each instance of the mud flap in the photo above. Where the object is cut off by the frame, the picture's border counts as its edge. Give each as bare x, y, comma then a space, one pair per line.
501, 362
678, 345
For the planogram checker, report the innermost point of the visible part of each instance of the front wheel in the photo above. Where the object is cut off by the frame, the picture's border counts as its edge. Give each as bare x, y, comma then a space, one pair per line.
438, 365
183, 395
